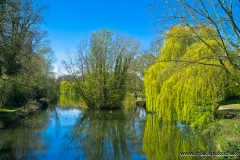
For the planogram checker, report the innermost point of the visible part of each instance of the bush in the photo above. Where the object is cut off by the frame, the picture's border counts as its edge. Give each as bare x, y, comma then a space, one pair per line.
225, 134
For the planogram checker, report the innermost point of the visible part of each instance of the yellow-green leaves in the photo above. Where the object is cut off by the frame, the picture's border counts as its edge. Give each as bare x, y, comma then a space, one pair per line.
162, 139
187, 78
67, 87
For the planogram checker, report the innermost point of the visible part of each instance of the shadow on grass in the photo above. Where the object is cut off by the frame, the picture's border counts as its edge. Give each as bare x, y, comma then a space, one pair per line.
232, 101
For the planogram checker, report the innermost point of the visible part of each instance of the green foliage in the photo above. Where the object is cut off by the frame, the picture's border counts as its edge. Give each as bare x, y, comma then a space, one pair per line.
129, 102
226, 136
70, 99
136, 72
20, 33
25, 55
187, 79
162, 139
103, 72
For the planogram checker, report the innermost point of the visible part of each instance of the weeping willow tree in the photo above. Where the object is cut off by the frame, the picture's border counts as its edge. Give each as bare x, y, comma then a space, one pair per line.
99, 69
188, 79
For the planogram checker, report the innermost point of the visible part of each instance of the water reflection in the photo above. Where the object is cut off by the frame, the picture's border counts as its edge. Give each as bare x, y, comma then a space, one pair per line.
165, 140
68, 132
69, 100
106, 135
26, 140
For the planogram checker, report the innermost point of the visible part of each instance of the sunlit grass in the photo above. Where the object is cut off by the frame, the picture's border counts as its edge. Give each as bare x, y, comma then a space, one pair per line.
230, 104
12, 110
141, 97
4, 110
129, 101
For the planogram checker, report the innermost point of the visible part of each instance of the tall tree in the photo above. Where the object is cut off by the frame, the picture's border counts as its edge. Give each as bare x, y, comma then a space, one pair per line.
100, 69
137, 70
222, 16
25, 55
186, 79
19, 32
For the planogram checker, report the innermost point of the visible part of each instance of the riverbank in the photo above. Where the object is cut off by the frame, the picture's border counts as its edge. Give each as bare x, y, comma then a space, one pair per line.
225, 131
10, 117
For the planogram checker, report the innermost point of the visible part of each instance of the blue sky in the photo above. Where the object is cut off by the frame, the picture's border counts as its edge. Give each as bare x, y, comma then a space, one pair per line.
68, 21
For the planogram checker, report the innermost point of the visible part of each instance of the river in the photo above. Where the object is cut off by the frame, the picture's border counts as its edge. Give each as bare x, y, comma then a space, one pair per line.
68, 132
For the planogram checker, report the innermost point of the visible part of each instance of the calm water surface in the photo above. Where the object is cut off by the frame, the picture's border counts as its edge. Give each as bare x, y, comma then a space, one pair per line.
67, 132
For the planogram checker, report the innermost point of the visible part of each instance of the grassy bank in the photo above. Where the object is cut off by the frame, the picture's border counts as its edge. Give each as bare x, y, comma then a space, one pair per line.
9, 117
225, 134
225, 131
130, 102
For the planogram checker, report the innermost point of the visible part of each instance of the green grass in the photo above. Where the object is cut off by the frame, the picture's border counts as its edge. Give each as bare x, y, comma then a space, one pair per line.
230, 106
129, 101
225, 134
12, 110
4, 110
141, 96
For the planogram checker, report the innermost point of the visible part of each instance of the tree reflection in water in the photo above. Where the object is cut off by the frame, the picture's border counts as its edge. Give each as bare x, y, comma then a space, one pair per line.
25, 141
165, 140
69, 100
69, 133
7, 151
107, 135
